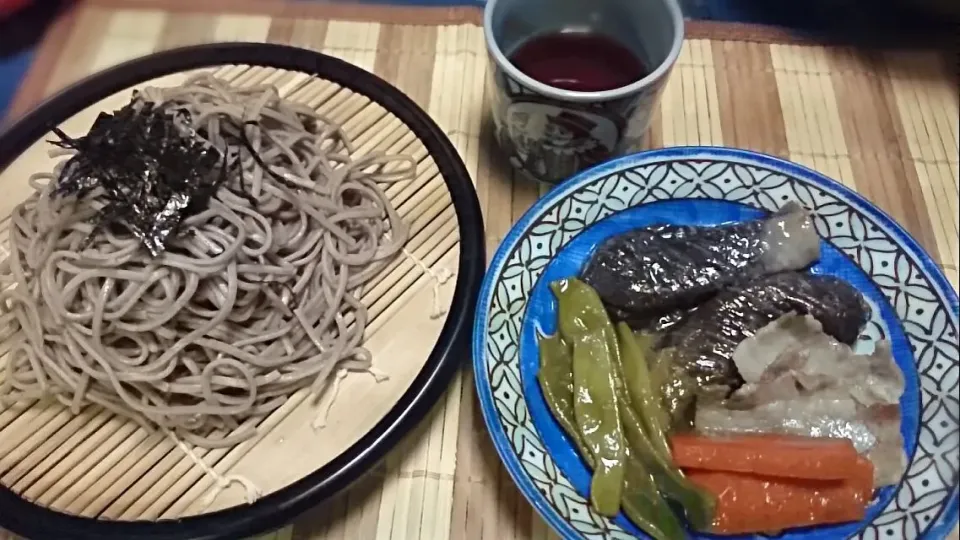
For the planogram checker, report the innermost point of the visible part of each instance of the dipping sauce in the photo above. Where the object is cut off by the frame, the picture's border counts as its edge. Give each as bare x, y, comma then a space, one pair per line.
580, 61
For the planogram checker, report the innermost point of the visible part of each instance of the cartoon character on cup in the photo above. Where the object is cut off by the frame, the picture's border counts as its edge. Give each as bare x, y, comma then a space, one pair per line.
569, 144
515, 140
551, 143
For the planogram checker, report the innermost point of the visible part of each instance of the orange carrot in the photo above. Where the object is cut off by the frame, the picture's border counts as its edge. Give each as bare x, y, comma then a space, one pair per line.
766, 455
748, 503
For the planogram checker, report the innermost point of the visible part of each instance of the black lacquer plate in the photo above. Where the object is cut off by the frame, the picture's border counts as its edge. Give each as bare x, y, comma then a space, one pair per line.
282, 506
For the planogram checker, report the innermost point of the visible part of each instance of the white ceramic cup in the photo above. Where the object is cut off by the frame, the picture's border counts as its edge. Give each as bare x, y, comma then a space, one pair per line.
551, 133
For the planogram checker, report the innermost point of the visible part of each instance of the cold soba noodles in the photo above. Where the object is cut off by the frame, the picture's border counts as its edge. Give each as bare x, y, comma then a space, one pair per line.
196, 259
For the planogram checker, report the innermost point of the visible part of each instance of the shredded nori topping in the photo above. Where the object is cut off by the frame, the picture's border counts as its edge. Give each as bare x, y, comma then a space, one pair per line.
149, 167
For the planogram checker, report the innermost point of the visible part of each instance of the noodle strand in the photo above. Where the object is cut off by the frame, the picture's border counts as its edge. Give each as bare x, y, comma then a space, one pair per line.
255, 299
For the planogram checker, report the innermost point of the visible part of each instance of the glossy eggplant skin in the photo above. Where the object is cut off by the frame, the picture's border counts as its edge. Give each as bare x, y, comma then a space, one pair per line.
648, 272
703, 344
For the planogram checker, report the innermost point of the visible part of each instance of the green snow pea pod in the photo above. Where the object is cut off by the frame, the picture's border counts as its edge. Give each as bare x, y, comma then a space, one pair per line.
597, 414
640, 502
580, 311
556, 382
643, 397
698, 505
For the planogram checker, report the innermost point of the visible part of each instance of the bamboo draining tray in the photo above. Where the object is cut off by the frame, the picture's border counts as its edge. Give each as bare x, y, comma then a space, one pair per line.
883, 123
97, 465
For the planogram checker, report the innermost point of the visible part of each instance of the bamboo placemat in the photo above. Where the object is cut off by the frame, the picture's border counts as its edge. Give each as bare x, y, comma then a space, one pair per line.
885, 124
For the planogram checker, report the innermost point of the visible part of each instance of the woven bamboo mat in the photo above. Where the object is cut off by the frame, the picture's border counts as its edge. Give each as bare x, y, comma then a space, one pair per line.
883, 124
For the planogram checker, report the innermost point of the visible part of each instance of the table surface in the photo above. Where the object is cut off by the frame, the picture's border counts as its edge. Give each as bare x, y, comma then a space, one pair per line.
18, 48
702, 105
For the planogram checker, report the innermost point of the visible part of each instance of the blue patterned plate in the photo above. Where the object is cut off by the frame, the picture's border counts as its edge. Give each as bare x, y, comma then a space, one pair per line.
914, 306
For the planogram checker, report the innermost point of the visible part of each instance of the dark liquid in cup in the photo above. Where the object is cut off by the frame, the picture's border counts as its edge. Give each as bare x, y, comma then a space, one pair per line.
581, 61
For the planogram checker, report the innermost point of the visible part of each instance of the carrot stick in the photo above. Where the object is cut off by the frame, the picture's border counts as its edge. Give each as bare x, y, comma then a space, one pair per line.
748, 503
766, 455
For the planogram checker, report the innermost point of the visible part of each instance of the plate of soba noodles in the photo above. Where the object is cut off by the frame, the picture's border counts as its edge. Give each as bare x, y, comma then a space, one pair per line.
232, 277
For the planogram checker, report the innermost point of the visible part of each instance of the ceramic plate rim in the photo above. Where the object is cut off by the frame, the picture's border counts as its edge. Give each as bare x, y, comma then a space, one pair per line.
949, 517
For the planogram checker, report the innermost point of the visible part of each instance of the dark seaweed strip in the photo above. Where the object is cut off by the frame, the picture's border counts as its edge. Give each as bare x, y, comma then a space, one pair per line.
149, 170
256, 157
